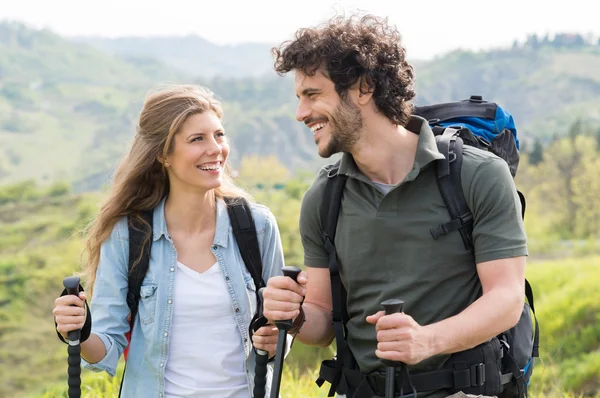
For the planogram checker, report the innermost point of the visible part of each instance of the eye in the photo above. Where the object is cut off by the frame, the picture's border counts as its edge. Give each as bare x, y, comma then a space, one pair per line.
199, 138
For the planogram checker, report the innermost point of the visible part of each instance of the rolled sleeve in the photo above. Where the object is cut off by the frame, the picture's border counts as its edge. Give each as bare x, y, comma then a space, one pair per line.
109, 300
498, 230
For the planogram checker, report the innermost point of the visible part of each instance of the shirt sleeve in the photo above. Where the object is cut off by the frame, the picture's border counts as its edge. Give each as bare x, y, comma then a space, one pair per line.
311, 231
109, 300
498, 230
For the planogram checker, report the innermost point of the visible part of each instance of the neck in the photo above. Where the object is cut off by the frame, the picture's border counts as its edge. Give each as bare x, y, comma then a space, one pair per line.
190, 213
385, 152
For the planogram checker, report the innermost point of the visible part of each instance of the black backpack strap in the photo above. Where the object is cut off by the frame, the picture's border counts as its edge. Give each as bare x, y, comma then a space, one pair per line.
448, 175
140, 245
330, 209
536, 334
244, 231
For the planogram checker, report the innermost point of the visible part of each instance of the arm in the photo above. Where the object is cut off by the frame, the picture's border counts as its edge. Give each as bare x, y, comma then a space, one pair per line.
109, 305
497, 310
317, 329
70, 314
500, 250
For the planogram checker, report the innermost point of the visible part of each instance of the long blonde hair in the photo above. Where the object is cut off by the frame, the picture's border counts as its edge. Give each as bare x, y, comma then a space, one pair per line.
140, 181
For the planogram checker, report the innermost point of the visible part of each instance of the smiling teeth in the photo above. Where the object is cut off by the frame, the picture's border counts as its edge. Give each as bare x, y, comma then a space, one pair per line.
317, 127
212, 167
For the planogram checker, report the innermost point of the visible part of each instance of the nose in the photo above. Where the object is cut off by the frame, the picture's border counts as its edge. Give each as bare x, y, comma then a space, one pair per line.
214, 147
303, 111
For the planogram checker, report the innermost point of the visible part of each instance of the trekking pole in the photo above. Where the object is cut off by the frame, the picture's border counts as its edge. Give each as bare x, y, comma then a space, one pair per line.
283, 327
71, 283
262, 357
391, 306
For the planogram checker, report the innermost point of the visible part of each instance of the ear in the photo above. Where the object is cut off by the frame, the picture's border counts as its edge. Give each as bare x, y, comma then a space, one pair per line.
163, 161
364, 91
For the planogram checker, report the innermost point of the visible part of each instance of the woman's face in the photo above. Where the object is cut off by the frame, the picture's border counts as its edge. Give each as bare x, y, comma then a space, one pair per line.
200, 150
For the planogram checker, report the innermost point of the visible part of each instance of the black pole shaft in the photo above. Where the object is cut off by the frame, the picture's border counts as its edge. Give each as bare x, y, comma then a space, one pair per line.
260, 369
74, 350
283, 327
391, 307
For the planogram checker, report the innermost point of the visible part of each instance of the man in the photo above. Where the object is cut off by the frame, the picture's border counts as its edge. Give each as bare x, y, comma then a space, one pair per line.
354, 88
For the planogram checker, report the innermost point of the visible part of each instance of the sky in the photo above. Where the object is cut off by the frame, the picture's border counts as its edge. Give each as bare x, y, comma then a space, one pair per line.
428, 27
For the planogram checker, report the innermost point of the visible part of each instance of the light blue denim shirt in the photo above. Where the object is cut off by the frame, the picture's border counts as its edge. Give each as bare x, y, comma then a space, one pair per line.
149, 348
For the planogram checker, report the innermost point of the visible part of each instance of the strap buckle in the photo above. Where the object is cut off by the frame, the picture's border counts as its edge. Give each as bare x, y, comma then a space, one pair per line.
478, 375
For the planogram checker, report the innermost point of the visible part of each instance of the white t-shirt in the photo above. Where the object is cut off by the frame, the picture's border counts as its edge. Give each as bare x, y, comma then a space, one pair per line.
206, 353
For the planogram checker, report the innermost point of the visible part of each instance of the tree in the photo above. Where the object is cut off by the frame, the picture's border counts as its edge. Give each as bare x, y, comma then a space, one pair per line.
537, 155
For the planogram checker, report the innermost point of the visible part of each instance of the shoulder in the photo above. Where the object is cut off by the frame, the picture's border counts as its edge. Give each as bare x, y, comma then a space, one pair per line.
313, 197
263, 217
120, 231
478, 164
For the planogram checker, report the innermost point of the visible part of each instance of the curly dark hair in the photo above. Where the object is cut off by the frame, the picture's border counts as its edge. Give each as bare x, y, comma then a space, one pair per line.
349, 49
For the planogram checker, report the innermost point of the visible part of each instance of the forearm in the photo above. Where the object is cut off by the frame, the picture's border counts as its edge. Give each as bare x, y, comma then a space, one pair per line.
93, 349
494, 312
317, 329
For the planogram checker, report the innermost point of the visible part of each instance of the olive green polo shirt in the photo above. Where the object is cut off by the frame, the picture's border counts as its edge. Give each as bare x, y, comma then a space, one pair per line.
386, 251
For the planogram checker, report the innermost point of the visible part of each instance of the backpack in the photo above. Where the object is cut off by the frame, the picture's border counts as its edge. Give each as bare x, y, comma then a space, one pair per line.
487, 126
244, 231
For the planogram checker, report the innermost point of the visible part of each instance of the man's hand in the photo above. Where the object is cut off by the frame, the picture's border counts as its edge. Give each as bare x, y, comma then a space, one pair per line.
265, 339
282, 297
400, 338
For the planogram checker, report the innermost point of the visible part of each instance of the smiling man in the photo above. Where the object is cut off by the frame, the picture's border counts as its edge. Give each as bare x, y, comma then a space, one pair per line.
354, 89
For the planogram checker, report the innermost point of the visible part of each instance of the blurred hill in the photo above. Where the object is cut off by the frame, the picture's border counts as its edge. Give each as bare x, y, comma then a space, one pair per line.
68, 106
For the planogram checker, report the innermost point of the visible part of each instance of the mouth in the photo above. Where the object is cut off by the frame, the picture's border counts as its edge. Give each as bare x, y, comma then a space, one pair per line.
213, 167
317, 127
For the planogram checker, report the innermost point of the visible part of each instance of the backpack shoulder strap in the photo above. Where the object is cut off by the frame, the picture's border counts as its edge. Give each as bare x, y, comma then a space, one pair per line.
140, 245
449, 181
330, 210
244, 231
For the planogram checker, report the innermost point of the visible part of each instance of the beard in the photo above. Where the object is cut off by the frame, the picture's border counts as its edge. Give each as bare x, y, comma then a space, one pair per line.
345, 125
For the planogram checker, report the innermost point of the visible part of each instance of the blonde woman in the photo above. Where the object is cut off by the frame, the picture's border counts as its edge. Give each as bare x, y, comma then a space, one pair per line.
197, 299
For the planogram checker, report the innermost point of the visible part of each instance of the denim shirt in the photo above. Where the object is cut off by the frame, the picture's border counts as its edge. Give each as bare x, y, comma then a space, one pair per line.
149, 347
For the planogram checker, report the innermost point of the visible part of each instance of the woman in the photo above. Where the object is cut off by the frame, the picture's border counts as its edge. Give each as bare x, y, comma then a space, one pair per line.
197, 299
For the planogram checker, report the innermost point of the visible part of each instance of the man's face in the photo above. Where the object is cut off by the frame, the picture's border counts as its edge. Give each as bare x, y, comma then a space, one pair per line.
335, 122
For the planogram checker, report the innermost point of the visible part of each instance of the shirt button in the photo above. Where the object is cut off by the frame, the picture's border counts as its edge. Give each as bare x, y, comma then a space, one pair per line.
170, 301
166, 334
161, 364
245, 340
237, 310
172, 269
226, 278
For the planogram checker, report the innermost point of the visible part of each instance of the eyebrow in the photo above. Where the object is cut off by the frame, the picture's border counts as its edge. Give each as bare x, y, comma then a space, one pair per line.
202, 133
307, 91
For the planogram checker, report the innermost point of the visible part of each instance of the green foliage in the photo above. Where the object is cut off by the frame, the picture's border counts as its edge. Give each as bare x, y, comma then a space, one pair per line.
83, 100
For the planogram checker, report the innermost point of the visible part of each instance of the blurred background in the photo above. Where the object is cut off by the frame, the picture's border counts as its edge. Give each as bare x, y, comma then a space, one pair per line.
73, 75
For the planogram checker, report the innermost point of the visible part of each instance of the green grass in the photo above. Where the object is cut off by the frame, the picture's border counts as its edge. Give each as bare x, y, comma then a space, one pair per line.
567, 306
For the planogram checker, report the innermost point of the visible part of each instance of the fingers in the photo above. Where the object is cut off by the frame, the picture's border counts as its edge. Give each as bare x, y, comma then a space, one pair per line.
393, 321
265, 339
282, 298
69, 313
70, 300
302, 278
266, 331
375, 317
286, 283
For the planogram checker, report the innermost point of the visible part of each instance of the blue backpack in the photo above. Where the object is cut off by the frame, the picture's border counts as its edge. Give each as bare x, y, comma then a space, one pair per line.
487, 126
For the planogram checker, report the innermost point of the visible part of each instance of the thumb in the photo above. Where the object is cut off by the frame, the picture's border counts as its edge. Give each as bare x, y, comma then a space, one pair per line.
82, 295
375, 317
302, 278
